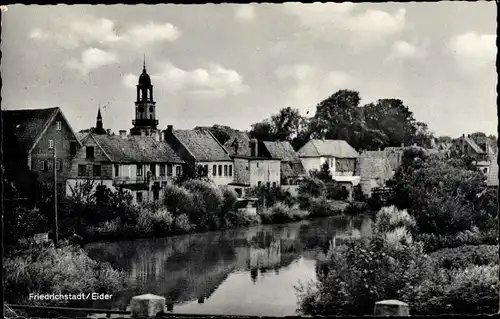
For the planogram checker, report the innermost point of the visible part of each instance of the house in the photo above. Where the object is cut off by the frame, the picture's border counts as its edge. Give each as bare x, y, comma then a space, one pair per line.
238, 143
291, 166
492, 179
466, 146
374, 170
340, 156
41, 138
256, 169
140, 164
200, 149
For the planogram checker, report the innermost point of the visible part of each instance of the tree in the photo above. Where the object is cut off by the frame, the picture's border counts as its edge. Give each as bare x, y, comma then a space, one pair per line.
222, 132
262, 131
422, 136
323, 174
282, 126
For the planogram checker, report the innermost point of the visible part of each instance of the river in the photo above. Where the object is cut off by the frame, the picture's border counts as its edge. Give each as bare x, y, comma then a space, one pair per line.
250, 271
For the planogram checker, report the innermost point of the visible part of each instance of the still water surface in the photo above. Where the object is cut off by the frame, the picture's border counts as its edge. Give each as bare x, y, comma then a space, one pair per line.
251, 271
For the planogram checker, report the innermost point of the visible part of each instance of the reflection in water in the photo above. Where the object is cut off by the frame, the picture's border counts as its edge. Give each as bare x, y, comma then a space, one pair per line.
246, 271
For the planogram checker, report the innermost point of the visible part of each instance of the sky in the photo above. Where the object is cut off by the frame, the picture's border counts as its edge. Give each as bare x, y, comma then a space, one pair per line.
239, 64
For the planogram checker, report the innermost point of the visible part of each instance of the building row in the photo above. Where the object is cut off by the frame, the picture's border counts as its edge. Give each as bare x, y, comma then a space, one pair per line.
145, 159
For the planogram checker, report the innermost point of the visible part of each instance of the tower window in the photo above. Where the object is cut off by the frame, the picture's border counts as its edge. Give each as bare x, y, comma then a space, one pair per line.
151, 109
58, 125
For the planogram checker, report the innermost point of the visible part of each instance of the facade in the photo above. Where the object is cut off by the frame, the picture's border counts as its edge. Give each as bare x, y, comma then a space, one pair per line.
139, 164
374, 170
340, 156
291, 166
35, 137
251, 171
145, 121
200, 149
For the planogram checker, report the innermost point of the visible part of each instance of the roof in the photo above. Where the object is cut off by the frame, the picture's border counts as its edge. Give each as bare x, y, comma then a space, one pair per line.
136, 149
288, 170
29, 124
81, 136
335, 148
202, 145
492, 179
473, 144
373, 166
283, 150
243, 143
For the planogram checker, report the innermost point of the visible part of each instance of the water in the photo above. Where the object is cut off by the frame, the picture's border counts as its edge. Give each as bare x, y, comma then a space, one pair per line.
251, 271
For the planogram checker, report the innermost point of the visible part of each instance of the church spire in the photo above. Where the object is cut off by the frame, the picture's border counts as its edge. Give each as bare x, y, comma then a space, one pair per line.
99, 116
144, 64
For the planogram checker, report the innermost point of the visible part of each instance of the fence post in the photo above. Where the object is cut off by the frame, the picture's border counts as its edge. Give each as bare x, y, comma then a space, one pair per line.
147, 306
391, 308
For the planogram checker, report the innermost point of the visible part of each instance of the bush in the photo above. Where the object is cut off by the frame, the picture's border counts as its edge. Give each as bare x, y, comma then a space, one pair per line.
389, 218
176, 199
357, 208
471, 290
465, 256
21, 223
322, 207
433, 242
182, 224
67, 269
280, 213
236, 219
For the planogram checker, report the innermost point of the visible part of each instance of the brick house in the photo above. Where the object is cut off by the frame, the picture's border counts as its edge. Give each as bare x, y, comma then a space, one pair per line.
34, 136
139, 164
200, 149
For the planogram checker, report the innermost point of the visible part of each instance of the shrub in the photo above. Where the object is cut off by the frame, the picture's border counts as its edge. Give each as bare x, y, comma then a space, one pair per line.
322, 207
389, 218
433, 242
356, 208
182, 224
67, 269
236, 219
22, 223
465, 256
177, 199
281, 213
471, 290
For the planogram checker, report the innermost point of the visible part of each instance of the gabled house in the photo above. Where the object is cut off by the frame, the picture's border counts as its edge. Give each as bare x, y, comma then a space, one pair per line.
341, 156
200, 149
291, 166
35, 137
374, 170
139, 164
466, 146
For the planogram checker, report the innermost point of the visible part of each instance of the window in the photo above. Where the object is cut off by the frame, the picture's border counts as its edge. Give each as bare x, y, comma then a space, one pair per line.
225, 170
51, 144
72, 148
82, 170
97, 170
58, 125
89, 152
43, 166
259, 183
220, 170
257, 164
152, 169
169, 169
151, 109
139, 197
162, 169
205, 173
156, 195
58, 165
139, 170
214, 170
230, 170
117, 170
268, 184
178, 171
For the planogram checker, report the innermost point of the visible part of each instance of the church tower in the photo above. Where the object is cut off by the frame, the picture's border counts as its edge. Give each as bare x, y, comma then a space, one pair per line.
145, 114
99, 129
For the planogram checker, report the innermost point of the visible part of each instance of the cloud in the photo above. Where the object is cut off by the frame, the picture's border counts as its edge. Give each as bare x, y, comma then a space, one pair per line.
473, 51
402, 50
90, 30
92, 59
309, 85
215, 81
366, 28
244, 12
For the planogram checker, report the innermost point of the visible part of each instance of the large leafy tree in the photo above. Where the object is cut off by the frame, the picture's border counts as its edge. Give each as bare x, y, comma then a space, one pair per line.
285, 125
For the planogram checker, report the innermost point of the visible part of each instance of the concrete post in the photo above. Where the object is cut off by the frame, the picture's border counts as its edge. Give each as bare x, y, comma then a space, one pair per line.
391, 308
147, 306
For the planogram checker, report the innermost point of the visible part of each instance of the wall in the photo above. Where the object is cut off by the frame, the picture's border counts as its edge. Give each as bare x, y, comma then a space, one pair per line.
219, 180
264, 171
311, 163
62, 141
99, 158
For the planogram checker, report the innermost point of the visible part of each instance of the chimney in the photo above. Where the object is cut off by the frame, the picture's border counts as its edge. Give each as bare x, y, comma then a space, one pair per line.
468, 135
253, 147
170, 129
123, 133
463, 135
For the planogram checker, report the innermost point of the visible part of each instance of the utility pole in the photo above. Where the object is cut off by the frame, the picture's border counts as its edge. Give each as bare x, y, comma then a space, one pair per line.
54, 166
